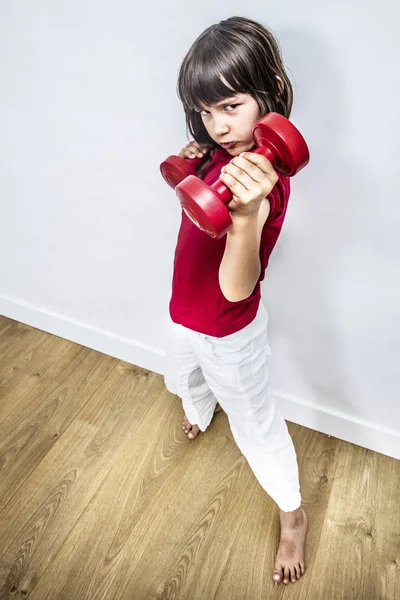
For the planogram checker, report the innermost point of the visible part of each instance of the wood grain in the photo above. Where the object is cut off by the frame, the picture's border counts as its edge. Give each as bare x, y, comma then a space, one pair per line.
103, 497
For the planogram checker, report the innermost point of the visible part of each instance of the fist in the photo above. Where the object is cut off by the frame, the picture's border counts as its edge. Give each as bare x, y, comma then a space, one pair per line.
194, 150
250, 177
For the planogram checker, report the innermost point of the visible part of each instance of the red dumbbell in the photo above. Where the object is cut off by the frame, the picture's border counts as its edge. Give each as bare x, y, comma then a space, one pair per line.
175, 169
278, 140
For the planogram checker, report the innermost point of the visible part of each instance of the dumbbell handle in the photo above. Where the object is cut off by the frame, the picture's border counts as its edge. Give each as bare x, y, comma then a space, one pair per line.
224, 192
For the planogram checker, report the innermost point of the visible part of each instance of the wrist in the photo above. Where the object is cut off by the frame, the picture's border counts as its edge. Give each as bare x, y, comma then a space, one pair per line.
243, 223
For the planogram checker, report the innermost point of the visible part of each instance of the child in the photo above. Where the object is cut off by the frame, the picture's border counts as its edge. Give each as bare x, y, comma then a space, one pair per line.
232, 76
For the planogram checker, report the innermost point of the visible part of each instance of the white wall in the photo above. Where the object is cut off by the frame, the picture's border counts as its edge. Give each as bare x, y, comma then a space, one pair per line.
88, 110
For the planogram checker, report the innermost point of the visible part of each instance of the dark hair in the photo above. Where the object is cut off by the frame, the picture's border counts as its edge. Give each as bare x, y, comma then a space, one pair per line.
247, 56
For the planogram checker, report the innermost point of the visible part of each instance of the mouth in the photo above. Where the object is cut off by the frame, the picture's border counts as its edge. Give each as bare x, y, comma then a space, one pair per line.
228, 145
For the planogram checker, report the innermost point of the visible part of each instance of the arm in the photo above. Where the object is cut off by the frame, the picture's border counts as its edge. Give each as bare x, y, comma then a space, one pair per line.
240, 266
250, 177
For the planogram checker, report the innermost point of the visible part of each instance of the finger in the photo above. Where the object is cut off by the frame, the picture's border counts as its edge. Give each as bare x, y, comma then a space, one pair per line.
193, 144
236, 187
198, 146
260, 161
199, 149
250, 184
239, 167
192, 152
189, 149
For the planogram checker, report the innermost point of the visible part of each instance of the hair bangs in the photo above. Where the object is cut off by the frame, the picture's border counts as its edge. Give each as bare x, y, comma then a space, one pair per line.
204, 80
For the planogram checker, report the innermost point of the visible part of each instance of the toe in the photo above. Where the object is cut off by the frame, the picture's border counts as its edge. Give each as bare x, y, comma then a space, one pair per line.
190, 430
186, 426
277, 575
293, 574
193, 433
286, 575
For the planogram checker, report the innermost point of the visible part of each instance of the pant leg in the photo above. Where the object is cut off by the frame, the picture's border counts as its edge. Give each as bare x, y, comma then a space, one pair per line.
236, 370
184, 377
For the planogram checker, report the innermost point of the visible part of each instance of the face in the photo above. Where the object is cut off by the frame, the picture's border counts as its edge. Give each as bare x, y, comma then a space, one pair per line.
230, 122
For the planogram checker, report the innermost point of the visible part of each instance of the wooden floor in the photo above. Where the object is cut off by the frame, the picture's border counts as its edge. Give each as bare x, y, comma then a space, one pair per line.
102, 496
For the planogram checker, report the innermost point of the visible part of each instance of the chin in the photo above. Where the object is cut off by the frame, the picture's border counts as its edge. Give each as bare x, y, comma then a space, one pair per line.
238, 149
241, 148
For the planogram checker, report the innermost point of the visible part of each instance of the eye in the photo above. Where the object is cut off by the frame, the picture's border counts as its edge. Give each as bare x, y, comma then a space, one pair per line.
228, 107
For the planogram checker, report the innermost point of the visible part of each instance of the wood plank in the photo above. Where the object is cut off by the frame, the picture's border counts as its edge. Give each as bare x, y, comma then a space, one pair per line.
168, 510
193, 540
120, 505
35, 424
40, 516
29, 370
359, 548
16, 338
248, 573
5, 323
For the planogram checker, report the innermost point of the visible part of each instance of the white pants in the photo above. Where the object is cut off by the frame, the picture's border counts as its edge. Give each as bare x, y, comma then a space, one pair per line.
233, 371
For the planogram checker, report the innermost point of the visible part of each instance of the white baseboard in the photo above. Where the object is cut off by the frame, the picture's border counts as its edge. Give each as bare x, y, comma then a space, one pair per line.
362, 433
339, 425
106, 342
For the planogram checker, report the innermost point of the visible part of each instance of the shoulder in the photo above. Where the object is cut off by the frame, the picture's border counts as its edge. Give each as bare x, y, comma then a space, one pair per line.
278, 198
273, 208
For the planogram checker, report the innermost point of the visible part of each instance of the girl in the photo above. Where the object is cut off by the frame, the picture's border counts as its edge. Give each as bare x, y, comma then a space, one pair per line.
232, 76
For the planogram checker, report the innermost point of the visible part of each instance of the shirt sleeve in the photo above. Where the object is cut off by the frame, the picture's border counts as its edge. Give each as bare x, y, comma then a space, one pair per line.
279, 198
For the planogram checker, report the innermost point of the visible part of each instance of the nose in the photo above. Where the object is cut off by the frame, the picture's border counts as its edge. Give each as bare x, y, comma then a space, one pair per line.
221, 126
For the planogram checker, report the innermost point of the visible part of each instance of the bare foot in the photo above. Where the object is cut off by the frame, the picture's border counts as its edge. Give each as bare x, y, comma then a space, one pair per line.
193, 430
289, 564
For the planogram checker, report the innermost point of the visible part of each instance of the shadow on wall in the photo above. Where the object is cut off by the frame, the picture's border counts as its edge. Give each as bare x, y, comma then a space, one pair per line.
323, 286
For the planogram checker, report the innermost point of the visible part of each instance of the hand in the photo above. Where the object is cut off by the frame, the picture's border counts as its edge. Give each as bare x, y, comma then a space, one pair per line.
250, 177
193, 150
